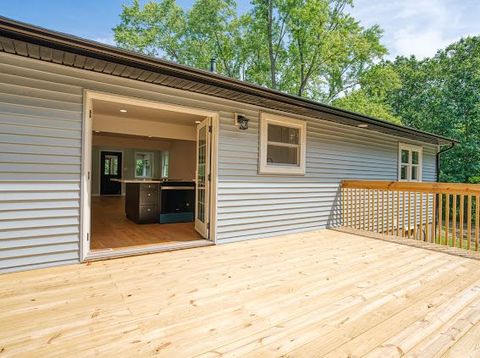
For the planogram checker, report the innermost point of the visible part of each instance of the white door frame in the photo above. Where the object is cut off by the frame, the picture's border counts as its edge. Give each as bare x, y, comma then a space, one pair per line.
87, 125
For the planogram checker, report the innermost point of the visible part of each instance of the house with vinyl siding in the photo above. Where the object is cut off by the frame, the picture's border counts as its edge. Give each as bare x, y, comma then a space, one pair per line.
105, 153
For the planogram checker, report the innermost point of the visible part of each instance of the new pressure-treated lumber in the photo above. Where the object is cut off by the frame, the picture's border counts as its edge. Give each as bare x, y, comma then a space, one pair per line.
319, 293
443, 213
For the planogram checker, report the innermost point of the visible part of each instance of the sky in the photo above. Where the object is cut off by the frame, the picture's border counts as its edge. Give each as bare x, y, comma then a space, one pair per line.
418, 27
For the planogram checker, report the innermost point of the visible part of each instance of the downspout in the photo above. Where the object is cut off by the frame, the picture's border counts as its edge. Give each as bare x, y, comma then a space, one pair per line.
437, 159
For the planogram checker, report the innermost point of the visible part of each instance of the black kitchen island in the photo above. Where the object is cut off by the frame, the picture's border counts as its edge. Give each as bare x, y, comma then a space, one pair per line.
158, 201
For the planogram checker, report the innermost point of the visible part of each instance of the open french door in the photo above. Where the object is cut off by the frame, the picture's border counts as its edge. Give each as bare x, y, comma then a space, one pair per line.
202, 178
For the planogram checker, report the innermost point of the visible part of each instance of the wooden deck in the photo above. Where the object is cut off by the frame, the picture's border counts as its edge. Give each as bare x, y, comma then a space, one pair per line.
322, 293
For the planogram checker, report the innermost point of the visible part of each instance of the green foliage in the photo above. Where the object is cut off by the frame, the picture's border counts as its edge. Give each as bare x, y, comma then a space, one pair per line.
370, 98
316, 49
311, 48
442, 95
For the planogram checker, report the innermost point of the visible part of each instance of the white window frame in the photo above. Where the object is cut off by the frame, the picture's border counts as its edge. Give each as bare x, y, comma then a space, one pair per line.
152, 164
410, 148
266, 168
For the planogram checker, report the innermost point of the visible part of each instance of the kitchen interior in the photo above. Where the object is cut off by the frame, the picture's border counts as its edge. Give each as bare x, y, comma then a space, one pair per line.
143, 177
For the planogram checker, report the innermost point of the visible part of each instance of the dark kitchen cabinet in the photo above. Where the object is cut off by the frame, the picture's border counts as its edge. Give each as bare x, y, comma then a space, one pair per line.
142, 202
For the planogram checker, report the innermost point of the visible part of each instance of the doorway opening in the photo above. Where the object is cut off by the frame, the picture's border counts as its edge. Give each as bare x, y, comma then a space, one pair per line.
149, 181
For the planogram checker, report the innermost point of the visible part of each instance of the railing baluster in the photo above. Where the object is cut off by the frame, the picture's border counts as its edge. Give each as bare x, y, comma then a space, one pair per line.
373, 210
409, 223
383, 212
357, 208
392, 213
462, 220
420, 231
355, 213
398, 214
403, 214
350, 207
427, 217
477, 223
354, 205
447, 217
454, 221
440, 218
469, 222
377, 215
415, 215
434, 217
363, 221
388, 211
369, 211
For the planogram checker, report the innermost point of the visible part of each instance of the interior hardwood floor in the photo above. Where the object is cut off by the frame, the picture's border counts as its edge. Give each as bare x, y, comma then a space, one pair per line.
322, 293
112, 230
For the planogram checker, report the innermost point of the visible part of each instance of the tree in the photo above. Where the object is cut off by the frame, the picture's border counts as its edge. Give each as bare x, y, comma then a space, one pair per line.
211, 28
441, 95
310, 48
371, 97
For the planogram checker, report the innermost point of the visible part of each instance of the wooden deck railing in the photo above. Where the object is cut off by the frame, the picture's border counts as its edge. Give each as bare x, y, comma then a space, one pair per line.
441, 213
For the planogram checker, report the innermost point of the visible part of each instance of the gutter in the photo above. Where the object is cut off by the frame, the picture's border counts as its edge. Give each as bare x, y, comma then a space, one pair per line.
68, 43
437, 158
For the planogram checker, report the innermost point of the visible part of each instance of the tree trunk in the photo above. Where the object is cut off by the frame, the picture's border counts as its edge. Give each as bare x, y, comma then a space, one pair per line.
273, 65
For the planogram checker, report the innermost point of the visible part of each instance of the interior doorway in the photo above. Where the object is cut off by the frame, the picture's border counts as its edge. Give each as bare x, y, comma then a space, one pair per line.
110, 168
150, 179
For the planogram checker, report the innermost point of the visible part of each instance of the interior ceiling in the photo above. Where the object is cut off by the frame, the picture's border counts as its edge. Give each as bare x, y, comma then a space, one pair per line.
131, 136
144, 113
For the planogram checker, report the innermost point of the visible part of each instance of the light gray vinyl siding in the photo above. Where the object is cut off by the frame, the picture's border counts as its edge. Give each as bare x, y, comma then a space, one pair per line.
252, 205
40, 154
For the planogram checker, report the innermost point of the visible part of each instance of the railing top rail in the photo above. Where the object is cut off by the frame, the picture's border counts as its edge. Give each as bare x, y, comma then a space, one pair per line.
424, 187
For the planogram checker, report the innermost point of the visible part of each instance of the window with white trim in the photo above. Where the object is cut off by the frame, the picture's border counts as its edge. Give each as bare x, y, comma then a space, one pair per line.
282, 145
409, 162
143, 165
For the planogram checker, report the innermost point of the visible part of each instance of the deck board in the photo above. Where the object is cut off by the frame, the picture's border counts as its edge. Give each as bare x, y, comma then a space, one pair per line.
322, 293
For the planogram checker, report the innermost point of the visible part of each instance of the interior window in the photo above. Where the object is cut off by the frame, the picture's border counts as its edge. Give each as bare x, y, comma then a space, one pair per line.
283, 145
410, 163
143, 165
165, 160
111, 165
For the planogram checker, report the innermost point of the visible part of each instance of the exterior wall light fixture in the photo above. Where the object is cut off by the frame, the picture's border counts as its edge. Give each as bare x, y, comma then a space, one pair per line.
241, 121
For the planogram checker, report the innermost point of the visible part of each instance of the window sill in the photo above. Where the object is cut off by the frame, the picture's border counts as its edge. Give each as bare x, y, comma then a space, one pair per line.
282, 171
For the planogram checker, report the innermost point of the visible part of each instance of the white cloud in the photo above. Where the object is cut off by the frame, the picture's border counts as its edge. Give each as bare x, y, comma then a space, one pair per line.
419, 27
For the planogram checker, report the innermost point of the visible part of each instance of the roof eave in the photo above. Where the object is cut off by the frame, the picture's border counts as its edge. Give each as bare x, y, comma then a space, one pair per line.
26, 32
